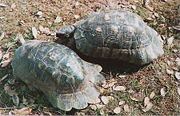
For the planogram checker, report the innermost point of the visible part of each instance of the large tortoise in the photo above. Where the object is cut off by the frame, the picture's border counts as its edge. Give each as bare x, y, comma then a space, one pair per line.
66, 80
113, 34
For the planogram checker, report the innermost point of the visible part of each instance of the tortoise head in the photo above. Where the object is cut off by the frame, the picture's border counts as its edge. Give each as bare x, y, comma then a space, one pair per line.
66, 35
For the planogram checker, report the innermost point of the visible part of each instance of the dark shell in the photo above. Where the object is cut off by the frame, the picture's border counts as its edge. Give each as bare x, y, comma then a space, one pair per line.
118, 35
58, 72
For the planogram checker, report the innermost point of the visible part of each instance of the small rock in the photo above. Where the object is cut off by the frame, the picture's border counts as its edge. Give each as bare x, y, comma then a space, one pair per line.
58, 19
170, 41
117, 110
76, 16
121, 103
170, 72
119, 88
163, 92
177, 75
2, 35
152, 95
2, 5
39, 14
13, 6
178, 90
34, 32
126, 108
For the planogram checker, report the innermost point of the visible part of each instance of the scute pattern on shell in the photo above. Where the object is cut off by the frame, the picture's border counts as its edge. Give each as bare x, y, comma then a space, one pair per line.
118, 35
58, 72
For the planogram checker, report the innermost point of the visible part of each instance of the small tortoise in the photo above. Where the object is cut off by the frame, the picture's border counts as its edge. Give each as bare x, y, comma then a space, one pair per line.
67, 80
113, 34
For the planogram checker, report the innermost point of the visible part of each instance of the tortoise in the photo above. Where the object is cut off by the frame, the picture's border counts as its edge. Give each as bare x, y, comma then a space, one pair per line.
113, 34
66, 80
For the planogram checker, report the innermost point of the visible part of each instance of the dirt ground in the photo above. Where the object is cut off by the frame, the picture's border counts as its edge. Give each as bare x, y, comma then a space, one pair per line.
153, 89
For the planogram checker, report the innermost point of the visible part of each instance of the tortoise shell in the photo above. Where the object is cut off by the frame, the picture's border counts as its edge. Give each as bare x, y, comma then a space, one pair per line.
119, 35
66, 80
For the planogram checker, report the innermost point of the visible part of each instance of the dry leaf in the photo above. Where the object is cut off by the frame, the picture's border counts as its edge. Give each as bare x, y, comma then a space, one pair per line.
134, 99
44, 30
13, 6
2, 5
23, 111
2, 35
119, 88
163, 92
39, 14
178, 90
5, 63
117, 110
58, 19
146, 101
178, 61
169, 41
126, 108
170, 72
147, 104
106, 99
20, 38
93, 107
99, 106
34, 32
152, 95
177, 75
1, 54
148, 107
121, 103
76, 16
9, 91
